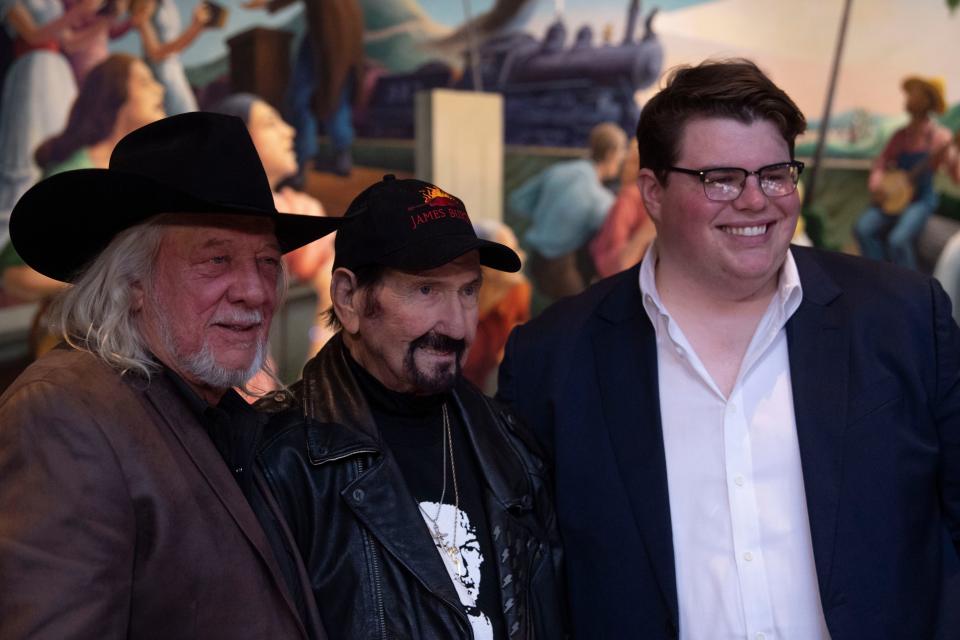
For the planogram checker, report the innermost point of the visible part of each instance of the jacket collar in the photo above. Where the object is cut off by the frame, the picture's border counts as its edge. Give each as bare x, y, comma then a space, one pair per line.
341, 425
332, 395
170, 407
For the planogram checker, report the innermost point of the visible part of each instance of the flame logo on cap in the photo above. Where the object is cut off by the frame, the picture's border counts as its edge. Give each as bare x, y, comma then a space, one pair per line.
437, 205
437, 197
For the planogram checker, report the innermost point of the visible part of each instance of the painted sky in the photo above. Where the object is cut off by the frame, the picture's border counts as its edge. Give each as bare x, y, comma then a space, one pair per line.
792, 39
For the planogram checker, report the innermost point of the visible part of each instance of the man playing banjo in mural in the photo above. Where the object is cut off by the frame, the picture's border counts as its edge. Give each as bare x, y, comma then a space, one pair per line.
901, 180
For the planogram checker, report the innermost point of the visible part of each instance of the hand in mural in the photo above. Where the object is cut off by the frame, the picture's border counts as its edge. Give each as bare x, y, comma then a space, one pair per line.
140, 12
201, 14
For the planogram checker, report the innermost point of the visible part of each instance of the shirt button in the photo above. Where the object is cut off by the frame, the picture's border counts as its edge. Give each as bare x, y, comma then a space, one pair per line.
760, 636
732, 408
738, 481
748, 556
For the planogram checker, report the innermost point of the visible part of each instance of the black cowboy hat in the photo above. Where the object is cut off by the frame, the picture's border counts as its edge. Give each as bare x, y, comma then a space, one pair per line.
194, 163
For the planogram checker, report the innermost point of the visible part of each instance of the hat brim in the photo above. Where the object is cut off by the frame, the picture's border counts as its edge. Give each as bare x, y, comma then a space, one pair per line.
415, 257
64, 221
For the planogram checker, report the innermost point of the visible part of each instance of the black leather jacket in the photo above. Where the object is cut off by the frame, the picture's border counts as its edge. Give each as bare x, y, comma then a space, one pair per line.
371, 563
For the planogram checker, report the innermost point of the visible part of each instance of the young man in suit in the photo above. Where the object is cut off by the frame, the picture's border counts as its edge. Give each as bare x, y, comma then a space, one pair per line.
751, 440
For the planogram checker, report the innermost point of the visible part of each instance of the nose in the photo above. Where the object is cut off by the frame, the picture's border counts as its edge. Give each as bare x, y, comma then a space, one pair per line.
251, 287
456, 317
752, 197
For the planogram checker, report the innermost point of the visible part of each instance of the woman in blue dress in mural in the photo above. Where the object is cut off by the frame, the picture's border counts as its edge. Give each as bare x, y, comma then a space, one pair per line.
163, 38
38, 91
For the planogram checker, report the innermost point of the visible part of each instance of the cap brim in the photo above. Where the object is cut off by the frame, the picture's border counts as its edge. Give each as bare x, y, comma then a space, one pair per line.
436, 252
64, 221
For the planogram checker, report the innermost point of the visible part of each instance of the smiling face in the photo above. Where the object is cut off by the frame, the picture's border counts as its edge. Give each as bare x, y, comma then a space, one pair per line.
273, 139
207, 307
731, 249
417, 336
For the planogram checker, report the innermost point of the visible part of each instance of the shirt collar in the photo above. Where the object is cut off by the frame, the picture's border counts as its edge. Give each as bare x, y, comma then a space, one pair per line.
231, 403
789, 290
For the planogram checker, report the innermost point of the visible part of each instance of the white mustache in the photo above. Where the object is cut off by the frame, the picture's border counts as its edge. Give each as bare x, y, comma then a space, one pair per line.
238, 317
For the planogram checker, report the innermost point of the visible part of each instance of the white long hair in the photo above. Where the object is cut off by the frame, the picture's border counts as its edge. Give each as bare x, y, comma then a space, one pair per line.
96, 313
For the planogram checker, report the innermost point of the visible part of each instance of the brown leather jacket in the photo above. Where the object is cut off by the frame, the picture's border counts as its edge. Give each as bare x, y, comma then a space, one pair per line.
119, 519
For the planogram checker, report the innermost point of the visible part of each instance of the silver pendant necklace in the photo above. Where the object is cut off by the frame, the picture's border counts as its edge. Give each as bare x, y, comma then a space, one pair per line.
440, 538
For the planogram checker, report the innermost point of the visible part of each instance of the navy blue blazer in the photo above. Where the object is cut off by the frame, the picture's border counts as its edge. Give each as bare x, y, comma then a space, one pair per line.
875, 368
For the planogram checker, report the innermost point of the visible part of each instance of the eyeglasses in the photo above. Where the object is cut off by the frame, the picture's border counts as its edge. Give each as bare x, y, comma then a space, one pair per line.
726, 183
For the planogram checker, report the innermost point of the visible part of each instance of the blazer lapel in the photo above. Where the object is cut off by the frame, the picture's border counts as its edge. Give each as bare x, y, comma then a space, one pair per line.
201, 451
819, 352
625, 353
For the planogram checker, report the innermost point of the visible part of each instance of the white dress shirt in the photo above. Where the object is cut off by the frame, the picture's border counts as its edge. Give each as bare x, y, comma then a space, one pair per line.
741, 537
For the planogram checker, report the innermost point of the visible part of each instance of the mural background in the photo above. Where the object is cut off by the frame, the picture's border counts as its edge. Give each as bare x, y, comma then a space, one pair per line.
564, 65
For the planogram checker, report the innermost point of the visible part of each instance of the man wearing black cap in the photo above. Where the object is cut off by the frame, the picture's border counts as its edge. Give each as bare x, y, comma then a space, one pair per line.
419, 505
118, 516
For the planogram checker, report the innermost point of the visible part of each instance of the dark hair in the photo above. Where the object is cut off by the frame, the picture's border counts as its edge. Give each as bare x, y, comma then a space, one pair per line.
734, 88
237, 104
94, 113
606, 138
369, 277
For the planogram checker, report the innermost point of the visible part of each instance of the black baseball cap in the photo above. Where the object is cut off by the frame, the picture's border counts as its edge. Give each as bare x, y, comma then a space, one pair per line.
412, 225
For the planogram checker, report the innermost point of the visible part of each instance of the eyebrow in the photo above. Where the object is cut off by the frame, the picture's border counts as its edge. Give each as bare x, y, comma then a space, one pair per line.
215, 243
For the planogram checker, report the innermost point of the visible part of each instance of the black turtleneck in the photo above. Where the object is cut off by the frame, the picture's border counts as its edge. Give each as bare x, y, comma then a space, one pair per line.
411, 427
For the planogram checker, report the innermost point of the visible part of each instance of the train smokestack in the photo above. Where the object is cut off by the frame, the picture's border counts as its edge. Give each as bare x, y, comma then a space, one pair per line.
632, 14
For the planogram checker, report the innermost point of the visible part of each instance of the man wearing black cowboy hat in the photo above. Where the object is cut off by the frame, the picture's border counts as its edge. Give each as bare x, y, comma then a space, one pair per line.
118, 516
419, 505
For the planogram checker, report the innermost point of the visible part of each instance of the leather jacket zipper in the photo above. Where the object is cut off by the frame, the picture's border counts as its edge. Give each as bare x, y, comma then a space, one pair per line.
374, 569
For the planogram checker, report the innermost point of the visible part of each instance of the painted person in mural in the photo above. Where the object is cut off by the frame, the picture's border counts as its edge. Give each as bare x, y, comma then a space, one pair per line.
627, 230
124, 452
164, 38
901, 179
751, 440
420, 507
326, 80
312, 263
38, 89
504, 303
119, 95
93, 35
565, 205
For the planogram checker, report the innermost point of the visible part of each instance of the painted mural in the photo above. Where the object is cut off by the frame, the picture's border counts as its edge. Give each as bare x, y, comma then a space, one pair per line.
76, 75
562, 65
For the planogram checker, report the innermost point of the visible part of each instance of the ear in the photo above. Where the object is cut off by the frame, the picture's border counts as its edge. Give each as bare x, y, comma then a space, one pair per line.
652, 193
347, 299
136, 296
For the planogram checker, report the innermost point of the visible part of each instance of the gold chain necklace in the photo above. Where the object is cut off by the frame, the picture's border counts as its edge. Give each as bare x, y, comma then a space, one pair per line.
440, 538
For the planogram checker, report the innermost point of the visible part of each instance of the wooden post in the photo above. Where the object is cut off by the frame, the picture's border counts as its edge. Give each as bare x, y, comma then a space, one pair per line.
459, 147
260, 63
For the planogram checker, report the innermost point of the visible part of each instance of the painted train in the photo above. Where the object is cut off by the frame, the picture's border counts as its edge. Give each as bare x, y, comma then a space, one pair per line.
553, 93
